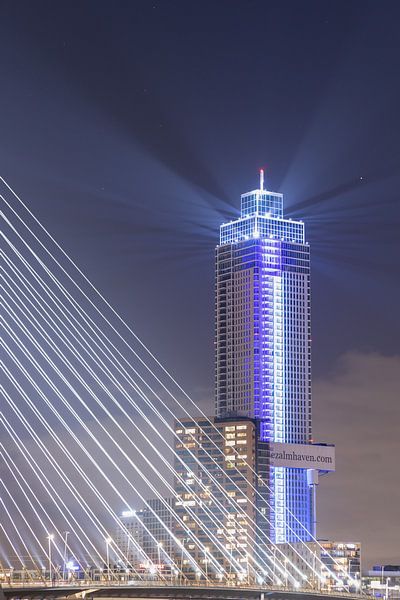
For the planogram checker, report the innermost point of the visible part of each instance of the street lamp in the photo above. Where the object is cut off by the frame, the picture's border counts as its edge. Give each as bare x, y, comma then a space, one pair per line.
206, 562
108, 542
353, 575
286, 572
159, 546
50, 537
274, 564
387, 588
66, 533
182, 555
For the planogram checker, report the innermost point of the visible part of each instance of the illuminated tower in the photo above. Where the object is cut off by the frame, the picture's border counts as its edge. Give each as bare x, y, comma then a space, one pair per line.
263, 341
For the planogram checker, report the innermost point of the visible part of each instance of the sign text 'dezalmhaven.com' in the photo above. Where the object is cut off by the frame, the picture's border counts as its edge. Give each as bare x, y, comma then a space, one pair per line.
302, 456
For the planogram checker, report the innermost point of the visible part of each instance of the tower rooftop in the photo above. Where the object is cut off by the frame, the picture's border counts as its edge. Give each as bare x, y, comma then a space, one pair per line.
261, 216
261, 202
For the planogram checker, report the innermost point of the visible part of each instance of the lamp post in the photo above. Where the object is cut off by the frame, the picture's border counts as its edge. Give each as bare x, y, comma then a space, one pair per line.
206, 562
108, 542
159, 546
65, 552
274, 565
183, 550
286, 572
355, 576
50, 538
387, 588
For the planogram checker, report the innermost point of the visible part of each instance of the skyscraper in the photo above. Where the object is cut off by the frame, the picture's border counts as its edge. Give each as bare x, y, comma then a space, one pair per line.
263, 342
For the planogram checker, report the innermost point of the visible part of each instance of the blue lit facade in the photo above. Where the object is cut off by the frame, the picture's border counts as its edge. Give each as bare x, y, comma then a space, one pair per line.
263, 342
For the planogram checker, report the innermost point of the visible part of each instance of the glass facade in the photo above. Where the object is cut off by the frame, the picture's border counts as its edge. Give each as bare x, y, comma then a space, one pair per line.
263, 342
145, 528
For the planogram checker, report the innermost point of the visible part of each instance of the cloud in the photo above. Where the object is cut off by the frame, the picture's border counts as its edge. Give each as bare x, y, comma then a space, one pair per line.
358, 408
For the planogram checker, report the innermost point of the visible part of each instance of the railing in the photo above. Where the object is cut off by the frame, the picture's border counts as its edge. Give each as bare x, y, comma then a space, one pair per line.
86, 583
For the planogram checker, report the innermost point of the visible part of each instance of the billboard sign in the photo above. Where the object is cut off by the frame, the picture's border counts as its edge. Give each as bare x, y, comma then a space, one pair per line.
302, 456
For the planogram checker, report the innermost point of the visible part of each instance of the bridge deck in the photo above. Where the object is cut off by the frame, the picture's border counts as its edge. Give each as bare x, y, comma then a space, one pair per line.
192, 592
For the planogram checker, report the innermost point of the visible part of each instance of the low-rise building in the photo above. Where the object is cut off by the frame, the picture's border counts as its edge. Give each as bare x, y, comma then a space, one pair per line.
383, 581
127, 534
150, 528
328, 565
342, 562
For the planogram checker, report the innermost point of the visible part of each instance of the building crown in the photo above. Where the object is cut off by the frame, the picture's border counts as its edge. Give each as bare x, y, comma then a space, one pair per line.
261, 202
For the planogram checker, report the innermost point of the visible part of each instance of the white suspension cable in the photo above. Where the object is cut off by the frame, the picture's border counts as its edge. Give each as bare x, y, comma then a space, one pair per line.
112, 310
107, 305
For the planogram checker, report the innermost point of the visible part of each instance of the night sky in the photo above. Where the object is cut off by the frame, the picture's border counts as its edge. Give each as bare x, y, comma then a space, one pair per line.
132, 128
